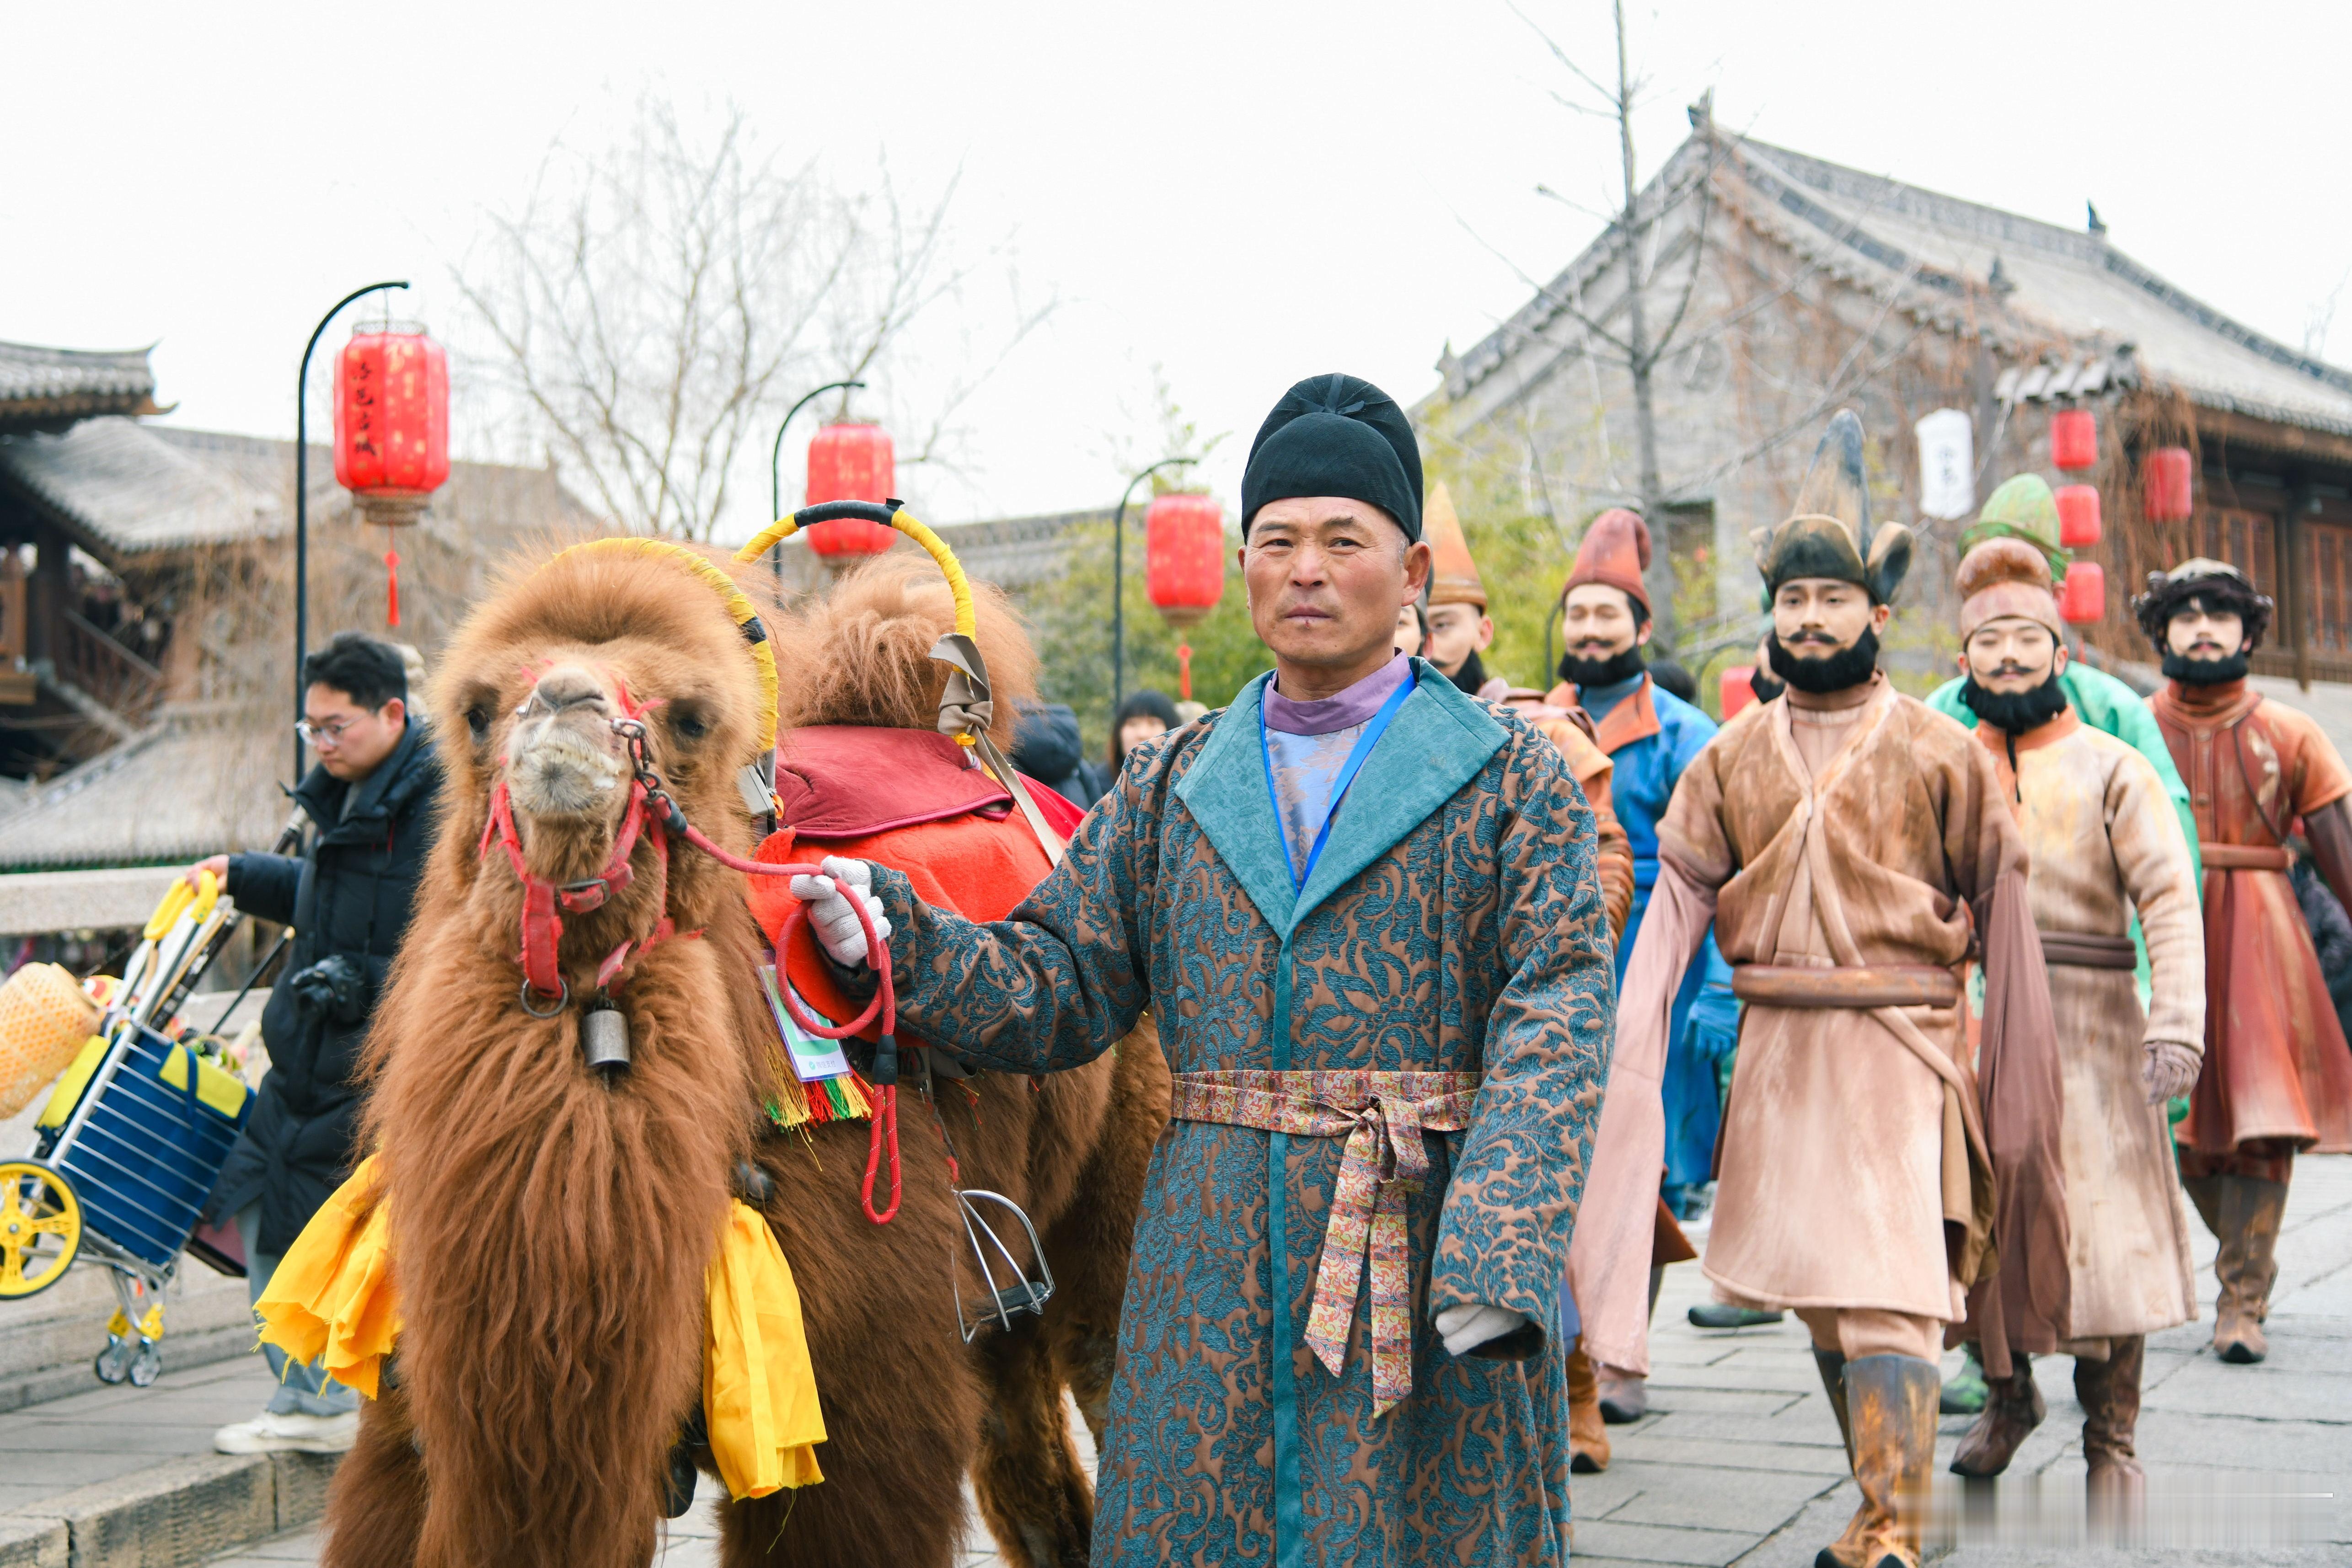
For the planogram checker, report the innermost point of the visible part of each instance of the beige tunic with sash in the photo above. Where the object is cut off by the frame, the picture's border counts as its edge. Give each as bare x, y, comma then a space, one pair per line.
2103, 839
1840, 846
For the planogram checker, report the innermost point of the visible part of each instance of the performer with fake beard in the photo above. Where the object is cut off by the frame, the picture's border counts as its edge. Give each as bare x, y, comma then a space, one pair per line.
2276, 1077
2103, 842
1651, 735
1853, 848
2023, 508
1460, 631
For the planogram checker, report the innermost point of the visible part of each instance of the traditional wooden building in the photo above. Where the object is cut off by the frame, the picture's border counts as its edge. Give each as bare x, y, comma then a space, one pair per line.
1782, 287
146, 630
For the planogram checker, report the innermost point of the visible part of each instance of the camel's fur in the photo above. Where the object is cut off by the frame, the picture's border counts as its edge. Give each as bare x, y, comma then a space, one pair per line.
554, 1230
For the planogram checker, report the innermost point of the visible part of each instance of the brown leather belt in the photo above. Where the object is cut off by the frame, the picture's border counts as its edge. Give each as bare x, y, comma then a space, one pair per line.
1872, 985
2245, 857
2088, 950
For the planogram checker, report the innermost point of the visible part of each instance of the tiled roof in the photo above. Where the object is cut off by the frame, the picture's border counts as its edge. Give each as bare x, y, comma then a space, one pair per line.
123, 488
180, 792
49, 387
2064, 293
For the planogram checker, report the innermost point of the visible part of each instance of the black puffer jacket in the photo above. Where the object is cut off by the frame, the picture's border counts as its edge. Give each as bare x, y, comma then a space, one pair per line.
2331, 936
1045, 746
348, 898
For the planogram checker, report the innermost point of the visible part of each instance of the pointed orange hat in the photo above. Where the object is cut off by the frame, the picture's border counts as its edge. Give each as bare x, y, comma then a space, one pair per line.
1453, 576
1615, 548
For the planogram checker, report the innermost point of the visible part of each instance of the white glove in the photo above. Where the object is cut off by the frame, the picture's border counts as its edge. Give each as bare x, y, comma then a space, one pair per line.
1466, 1328
835, 921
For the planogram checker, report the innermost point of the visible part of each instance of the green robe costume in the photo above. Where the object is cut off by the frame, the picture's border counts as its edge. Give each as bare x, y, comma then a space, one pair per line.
1453, 926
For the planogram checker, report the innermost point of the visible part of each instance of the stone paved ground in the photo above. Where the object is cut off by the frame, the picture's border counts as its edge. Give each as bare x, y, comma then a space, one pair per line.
1739, 1463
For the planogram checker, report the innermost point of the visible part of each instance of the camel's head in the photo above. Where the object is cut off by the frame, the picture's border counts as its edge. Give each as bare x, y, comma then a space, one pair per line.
554, 679
861, 654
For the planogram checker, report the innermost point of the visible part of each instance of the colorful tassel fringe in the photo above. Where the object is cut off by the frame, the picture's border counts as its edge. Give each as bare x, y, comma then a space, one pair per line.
847, 1098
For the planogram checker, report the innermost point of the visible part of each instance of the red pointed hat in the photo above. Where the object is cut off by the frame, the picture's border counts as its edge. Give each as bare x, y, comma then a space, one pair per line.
1616, 548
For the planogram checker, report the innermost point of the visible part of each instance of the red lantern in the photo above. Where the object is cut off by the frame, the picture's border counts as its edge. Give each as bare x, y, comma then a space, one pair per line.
2073, 439
2084, 599
851, 463
1737, 691
2078, 515
1184, 566
2165, 485
392, 431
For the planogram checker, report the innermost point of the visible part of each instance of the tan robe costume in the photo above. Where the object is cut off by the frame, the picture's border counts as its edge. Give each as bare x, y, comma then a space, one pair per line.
1838, 844
2103, 838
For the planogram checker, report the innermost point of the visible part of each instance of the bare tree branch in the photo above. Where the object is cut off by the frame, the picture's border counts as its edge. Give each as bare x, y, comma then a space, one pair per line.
652, 306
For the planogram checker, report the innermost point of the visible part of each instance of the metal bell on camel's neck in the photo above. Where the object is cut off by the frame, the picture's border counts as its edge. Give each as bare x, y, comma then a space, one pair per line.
604, 1039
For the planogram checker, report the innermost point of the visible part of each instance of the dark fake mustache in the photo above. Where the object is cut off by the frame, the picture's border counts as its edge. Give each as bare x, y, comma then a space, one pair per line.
1825, 673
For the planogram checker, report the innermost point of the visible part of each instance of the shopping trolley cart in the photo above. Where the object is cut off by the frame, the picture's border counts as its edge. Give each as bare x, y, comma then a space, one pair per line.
132, 1139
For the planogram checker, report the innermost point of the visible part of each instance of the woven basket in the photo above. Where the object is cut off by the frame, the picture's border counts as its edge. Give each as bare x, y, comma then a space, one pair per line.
43, 1019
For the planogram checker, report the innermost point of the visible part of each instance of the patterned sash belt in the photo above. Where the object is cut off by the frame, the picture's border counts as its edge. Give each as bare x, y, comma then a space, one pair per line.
1382, 1115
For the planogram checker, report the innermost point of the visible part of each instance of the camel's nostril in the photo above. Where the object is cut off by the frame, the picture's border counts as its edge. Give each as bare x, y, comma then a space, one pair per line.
569, 686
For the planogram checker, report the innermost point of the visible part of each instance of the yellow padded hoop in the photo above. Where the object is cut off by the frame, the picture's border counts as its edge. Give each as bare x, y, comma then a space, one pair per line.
967, 620
738, 605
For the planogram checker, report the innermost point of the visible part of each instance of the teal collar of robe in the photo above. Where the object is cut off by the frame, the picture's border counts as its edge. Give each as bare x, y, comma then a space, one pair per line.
1437, 743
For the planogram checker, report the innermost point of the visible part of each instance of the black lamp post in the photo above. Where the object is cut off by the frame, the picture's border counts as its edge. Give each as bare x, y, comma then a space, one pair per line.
776, 466
302, 502
1118, 581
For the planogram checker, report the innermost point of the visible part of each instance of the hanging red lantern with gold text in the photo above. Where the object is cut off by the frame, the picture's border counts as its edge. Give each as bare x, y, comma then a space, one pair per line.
851, 463
1184, 566
392, 431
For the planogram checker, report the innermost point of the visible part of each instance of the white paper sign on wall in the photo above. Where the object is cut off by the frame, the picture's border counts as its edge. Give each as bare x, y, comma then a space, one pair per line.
1947, 464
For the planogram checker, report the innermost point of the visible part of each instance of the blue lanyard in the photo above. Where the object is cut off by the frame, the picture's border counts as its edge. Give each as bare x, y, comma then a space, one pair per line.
1363, 749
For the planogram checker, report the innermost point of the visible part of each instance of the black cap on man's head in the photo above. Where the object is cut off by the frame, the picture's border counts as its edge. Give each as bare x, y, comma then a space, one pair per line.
1336, 435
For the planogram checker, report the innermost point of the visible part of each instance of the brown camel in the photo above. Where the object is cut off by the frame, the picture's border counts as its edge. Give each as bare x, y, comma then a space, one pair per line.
554, 1225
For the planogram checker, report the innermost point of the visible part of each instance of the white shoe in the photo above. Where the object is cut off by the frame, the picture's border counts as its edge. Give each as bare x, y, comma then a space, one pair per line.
271, 1433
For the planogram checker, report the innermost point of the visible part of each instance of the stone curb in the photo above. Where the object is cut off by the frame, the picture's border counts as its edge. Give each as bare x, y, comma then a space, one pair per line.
177, 1514
204, 1347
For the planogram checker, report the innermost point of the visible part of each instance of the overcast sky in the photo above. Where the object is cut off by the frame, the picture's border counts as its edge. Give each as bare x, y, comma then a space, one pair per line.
1240, 192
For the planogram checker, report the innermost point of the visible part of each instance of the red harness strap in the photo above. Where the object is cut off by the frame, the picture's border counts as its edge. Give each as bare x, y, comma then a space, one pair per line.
542, 933
543, 926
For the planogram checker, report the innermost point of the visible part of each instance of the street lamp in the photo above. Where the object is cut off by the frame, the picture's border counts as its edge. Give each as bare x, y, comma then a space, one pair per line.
302, 502
776, 461
1118, 579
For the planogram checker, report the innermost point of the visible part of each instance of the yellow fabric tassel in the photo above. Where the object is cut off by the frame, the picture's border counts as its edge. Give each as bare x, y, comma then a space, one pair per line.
332, 1301
758, 1391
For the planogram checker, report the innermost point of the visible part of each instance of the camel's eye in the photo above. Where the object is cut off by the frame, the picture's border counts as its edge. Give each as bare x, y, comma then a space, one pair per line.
688, 722
477, 717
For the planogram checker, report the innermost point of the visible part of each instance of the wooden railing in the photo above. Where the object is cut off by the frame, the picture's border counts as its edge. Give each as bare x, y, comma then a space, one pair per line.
105, 669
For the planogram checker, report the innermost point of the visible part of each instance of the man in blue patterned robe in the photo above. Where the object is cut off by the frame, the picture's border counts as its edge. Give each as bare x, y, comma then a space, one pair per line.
1364, 909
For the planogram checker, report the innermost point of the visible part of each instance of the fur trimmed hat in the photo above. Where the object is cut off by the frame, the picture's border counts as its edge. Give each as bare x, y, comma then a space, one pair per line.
1453, 572
1829, 533
2001, 577
1614, 552
2218, 584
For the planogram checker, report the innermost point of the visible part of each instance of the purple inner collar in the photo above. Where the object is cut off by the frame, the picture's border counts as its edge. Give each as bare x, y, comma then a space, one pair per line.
1358, 704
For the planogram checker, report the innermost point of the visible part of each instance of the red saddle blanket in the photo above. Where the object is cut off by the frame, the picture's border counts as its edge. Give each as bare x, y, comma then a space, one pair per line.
905, 799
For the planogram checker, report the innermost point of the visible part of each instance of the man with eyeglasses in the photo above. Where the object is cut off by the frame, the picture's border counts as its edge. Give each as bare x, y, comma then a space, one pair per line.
347, 896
